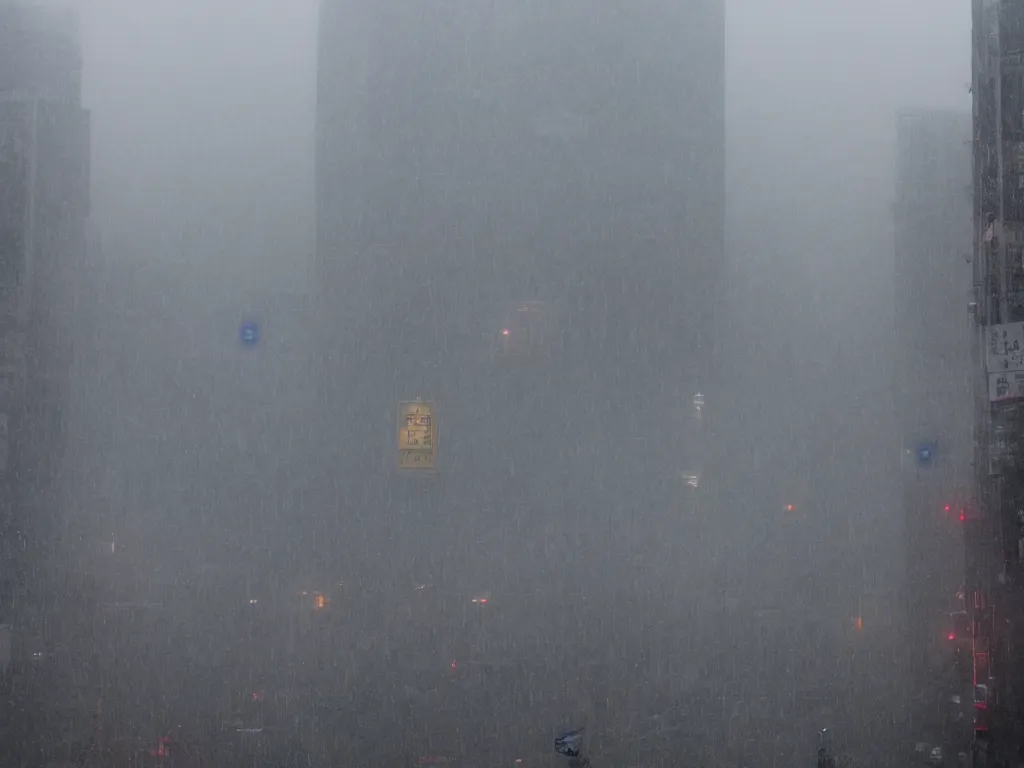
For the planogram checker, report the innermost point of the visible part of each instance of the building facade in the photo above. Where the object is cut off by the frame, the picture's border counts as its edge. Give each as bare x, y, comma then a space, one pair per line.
520, 217
44, 204
995, 535
933, 370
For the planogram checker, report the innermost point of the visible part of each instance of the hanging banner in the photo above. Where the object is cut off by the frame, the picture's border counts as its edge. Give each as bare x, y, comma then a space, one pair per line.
1005, 386
1004, 358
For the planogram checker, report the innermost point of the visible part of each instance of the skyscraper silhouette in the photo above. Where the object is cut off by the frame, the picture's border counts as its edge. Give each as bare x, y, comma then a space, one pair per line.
520, 217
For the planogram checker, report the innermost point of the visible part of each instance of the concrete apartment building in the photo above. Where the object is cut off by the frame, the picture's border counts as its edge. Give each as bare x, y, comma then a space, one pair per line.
994, 536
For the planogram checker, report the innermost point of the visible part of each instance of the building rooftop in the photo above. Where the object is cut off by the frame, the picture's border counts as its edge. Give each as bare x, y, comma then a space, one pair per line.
40, 53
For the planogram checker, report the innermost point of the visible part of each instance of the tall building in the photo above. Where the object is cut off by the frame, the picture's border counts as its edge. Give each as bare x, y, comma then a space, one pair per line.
995, 536
44, 204
520, 217
933, 369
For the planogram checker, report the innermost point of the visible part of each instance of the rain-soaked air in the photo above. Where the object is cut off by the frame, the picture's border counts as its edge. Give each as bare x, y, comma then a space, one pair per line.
511, 383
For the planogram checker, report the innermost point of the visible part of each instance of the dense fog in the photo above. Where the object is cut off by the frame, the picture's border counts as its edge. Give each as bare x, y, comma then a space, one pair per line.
548, 576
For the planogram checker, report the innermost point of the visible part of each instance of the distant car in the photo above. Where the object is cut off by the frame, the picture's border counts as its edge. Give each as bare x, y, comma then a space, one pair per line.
926, 753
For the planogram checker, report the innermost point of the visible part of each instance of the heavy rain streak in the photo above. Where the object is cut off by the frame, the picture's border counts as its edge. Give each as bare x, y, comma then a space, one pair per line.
524, 383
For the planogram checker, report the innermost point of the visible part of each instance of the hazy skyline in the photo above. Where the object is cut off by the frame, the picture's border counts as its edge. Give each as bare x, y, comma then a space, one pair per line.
199, 104
194, 450
203, 165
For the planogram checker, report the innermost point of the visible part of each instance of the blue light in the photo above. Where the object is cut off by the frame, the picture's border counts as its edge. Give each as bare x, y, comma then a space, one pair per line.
925, 453
250, 334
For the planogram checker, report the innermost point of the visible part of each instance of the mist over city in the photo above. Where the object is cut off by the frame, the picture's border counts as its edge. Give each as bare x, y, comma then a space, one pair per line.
612, 383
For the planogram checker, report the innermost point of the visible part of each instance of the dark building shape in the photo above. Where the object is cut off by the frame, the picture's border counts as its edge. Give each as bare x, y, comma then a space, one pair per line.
933, 366
44, 205
521, 217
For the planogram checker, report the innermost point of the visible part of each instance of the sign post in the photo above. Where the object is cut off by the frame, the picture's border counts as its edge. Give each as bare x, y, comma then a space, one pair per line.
417, 436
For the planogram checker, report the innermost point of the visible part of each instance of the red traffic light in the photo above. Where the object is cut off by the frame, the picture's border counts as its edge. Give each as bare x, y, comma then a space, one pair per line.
962, 511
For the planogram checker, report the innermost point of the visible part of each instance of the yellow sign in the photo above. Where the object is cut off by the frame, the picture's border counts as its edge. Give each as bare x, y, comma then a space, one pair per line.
417, 436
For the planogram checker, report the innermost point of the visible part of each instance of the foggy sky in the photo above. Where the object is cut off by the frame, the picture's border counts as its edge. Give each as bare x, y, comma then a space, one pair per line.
204, 108
203, 117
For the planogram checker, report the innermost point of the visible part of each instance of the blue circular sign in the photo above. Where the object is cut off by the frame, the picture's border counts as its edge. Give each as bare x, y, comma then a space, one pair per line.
925, 453
250, 334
